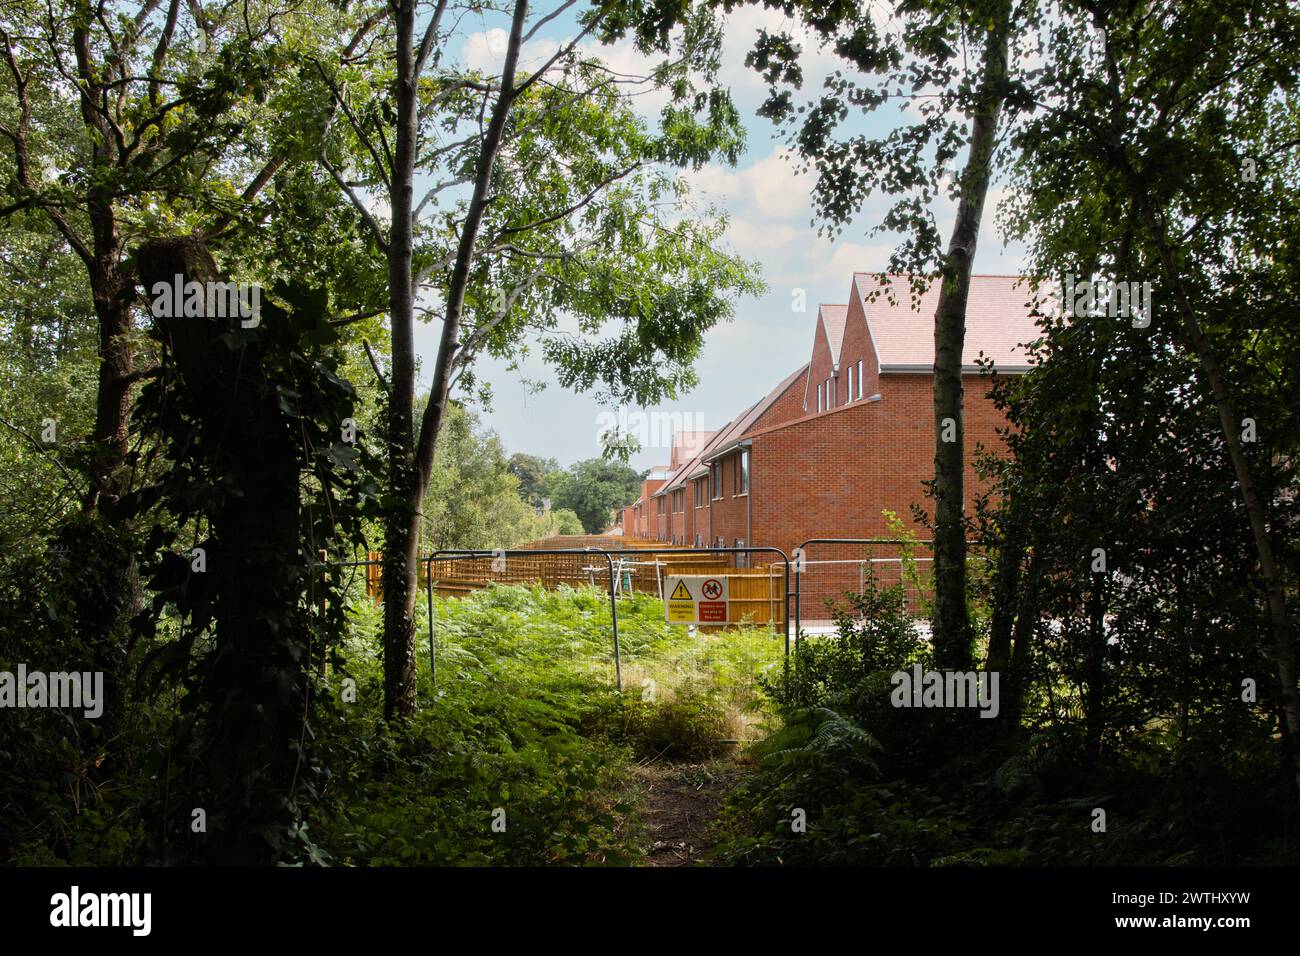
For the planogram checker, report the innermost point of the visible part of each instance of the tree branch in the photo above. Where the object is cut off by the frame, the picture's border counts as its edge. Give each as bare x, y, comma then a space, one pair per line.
375, 365
431, 420
39, 446
357, 203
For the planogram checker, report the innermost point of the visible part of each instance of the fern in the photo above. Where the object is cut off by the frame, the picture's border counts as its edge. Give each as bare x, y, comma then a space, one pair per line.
832, 734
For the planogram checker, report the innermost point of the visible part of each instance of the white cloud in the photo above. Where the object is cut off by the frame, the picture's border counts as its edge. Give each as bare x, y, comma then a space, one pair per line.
848, 258
769, 187
757, 238
485, 51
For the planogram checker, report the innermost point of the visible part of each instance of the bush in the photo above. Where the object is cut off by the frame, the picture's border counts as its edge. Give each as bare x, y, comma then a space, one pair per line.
880, 785
693, 725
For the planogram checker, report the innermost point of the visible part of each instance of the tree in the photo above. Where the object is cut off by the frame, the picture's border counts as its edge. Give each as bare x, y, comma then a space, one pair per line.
952, 635
1162, 148
111, 112
953, 57
563, 208
475, 499
240, 518
48, 365
561, 521
532, 473
592, 489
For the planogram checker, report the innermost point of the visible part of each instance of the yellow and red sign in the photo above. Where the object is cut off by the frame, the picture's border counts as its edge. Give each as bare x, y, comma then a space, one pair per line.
696, 599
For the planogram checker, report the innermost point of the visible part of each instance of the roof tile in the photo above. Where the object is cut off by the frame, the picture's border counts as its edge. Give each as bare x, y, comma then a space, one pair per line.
999, 321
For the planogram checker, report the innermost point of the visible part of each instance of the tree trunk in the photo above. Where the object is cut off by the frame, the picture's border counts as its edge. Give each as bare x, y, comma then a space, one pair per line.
952, 633
112, 296
411, 462
111, 291
1027, 612
1095, 698
402, 522
1006, 587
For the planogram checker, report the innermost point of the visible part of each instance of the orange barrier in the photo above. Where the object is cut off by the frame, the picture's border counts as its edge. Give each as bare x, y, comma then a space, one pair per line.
757, 594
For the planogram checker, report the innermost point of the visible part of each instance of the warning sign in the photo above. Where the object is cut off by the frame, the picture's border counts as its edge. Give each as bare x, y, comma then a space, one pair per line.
696, 600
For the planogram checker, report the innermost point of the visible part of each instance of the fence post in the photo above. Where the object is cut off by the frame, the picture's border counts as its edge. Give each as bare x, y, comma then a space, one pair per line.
613, 616
433, 654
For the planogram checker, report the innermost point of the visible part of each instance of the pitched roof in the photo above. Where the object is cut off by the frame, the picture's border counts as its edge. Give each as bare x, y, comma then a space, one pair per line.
999, 321
680, 476
729, 434
834, 318
755, 412
686, 444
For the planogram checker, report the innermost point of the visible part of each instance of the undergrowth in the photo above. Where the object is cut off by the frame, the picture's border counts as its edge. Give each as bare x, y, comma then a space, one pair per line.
517, 752
849, 779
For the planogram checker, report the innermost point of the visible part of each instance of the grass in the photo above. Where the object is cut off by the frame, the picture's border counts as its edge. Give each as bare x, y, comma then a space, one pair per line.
523, 728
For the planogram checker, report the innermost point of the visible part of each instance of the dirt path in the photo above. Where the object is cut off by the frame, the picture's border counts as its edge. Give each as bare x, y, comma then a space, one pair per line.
678, 805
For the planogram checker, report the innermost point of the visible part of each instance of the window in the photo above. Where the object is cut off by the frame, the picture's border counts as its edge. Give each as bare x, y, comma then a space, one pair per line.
850, 383
715, 479
859, 378
701, 492
742, 474
742, 560
699, 539
819, 398
830, 395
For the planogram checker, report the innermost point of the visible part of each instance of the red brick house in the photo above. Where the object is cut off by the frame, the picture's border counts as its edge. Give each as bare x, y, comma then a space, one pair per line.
638, 518
644, 518
850, 434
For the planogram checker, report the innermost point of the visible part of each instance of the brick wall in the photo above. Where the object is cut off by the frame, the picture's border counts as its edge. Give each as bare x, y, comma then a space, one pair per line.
647, 520
787, 407
699, 525
679, 515
730, 512
820, 366
857, 347
831, 475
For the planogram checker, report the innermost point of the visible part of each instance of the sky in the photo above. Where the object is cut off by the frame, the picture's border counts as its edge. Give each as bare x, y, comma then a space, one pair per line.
770, 222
